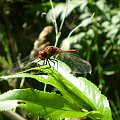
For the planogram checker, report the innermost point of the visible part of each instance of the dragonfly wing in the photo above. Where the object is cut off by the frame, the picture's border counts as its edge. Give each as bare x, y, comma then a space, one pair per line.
77, 64
23, 64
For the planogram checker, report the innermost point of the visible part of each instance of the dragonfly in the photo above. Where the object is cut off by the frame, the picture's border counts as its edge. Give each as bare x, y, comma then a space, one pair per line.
77, 64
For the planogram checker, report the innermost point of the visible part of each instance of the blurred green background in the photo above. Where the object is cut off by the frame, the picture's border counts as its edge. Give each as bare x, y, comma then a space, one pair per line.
21, 22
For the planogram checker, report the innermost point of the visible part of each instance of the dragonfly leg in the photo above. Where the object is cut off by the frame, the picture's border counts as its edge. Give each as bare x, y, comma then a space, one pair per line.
38, 63
48, 63
54, 60
45, 62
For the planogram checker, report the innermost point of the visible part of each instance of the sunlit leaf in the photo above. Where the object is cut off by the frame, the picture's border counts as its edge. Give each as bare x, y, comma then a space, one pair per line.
81, 93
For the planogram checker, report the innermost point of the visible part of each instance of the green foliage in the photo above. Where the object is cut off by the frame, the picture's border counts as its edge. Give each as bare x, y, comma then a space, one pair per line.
79, 96
115, 106
97, 40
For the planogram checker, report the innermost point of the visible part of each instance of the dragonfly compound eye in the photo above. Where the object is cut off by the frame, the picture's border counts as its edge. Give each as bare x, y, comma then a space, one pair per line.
42, 55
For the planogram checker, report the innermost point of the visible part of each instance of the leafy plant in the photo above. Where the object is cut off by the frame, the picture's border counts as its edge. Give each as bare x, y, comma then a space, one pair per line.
79, 97
97, 40
99, 37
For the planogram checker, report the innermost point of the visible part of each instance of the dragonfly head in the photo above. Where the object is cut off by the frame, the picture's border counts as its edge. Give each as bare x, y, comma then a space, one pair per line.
42, 55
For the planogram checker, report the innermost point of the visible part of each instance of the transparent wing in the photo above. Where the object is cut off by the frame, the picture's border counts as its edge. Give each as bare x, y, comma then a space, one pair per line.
77, 64
23, 64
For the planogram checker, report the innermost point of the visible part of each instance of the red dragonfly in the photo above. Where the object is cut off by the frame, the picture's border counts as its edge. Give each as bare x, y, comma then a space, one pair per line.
77, 64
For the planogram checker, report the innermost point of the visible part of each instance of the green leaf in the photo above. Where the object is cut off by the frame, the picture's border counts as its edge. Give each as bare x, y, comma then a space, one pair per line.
8, 105
81, 94
52, 112
37, 97
44, 104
